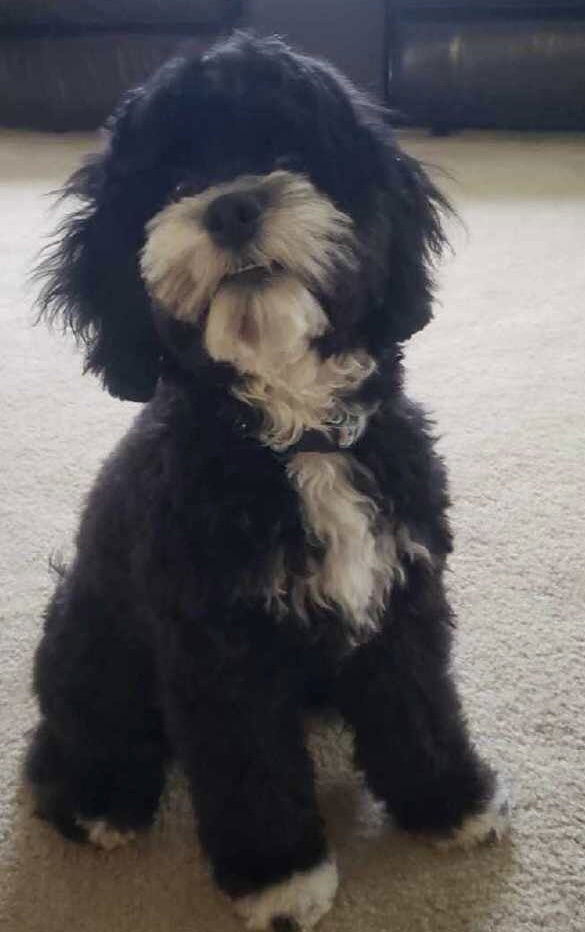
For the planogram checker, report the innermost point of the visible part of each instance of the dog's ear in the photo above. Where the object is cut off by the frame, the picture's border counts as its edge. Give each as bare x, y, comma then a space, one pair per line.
413, 238
92, 284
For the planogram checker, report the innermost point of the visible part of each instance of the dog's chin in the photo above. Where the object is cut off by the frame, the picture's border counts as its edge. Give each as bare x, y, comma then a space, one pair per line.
261, 319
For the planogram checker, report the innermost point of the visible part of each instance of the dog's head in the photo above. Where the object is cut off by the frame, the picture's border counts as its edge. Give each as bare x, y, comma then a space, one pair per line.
253, 199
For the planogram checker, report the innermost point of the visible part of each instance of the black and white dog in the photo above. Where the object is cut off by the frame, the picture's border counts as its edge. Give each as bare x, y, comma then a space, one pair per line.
248, 255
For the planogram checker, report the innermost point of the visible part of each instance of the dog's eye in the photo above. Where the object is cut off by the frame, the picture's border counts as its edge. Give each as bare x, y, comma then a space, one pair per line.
183, 189
290, 162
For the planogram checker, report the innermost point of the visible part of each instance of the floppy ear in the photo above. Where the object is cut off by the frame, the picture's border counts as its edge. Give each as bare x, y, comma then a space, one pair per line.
414, 239
92, 283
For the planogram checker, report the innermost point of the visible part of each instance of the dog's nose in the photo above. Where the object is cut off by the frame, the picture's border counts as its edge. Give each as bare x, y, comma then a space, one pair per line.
232, 219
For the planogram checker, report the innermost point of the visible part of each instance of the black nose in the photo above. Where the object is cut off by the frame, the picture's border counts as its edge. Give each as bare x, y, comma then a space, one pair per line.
233, 219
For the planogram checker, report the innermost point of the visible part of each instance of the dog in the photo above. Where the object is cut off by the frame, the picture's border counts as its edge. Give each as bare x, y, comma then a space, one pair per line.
247, 257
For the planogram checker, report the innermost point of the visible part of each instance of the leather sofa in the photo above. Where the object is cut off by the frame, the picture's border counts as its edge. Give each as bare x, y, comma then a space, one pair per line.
439, 63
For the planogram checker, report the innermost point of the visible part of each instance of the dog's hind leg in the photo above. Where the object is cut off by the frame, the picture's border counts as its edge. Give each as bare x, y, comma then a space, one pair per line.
411, 739
96, 761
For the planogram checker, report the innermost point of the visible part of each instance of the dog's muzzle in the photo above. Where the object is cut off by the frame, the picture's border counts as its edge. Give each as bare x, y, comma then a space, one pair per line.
251, 231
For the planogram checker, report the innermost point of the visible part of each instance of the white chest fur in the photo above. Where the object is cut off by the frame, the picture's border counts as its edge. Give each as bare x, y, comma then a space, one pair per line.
359, 561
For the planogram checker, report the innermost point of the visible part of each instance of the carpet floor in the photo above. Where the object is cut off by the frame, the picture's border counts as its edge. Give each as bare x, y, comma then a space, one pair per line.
502, 368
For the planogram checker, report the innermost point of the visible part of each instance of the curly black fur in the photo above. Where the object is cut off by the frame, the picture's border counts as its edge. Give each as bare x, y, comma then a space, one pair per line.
156, 643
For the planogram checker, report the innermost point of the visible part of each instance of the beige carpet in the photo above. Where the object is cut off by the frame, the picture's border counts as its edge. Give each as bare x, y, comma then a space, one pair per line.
502, 367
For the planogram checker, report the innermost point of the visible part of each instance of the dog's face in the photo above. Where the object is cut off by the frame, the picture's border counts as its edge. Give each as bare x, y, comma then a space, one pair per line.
245, 261
253, 199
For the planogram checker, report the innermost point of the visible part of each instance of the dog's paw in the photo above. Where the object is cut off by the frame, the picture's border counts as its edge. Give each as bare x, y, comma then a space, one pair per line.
105, 836
490, 824
293, 905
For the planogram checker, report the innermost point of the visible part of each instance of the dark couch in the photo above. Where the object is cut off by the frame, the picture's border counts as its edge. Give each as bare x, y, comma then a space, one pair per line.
440, 63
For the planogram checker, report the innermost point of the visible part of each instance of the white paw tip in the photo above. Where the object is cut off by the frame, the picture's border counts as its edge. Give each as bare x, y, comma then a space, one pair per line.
105, 836
293, 905
488, 826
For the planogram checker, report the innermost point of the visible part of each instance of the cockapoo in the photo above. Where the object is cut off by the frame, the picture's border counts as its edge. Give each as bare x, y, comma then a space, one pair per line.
247, 257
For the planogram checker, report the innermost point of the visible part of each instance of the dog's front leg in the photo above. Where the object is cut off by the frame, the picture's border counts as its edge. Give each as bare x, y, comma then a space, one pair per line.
411, 738
239, 735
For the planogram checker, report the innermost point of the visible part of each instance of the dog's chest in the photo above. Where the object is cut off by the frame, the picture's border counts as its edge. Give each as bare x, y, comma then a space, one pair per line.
350, 560
355, 563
